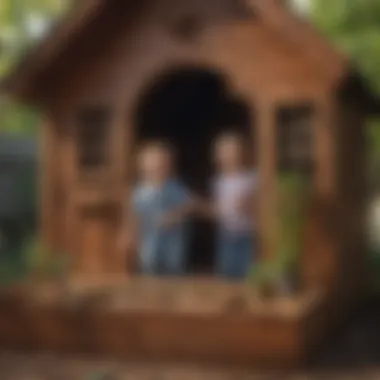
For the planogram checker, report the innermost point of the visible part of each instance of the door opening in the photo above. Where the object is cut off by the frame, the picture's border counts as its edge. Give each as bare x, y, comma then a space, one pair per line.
188, 108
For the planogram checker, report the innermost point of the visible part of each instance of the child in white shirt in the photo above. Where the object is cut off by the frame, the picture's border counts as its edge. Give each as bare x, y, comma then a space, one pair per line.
233, 206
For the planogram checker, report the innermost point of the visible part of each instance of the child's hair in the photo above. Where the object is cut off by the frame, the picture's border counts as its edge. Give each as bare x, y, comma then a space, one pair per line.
161, 145
230, 135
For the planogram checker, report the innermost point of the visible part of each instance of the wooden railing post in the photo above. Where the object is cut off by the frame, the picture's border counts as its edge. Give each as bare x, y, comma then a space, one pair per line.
47, 165
124, 158
266, 160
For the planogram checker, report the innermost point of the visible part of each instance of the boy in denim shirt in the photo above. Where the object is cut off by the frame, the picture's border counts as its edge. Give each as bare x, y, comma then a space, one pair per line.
159, 210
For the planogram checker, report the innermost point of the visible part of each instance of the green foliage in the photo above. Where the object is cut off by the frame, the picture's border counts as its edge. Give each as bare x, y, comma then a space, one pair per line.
42, 263
355, 27
18, 119
293, 197
18, 18
293, 193
11, 271
265, 273
16, 36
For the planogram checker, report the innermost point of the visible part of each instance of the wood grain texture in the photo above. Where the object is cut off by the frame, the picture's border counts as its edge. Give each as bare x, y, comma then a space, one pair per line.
263, 337
258, 64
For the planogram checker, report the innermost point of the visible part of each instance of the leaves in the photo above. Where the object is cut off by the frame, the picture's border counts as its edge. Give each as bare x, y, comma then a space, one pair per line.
21, 21
43, 263
355, 26
292, 200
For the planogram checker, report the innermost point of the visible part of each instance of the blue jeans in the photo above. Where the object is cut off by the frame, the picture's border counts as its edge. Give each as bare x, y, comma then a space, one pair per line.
163, 254
234, 255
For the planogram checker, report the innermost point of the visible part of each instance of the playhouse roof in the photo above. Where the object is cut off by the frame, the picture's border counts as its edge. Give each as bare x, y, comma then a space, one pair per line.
23, 82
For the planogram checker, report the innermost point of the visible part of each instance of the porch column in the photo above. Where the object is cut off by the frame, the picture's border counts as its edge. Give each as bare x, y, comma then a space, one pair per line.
320, 259
266, 161
48, 163
325, 136
124, 162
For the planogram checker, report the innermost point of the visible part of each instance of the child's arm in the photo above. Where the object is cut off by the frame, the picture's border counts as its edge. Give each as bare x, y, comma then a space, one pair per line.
180, 212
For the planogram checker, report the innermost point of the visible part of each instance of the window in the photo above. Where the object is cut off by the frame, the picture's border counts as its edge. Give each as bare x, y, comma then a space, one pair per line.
294, 138
295, 154
93, 138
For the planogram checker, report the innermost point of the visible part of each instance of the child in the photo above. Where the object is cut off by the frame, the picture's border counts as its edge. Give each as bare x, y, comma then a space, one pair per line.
160, 205
233, 194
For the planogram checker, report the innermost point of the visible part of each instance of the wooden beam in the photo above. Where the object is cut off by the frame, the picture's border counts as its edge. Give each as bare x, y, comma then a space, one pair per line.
124, 172
47, 170
325, 136
266, 149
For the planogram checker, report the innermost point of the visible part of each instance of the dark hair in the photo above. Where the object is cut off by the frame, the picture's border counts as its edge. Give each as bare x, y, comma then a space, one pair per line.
231, 134
157, 144
240, 139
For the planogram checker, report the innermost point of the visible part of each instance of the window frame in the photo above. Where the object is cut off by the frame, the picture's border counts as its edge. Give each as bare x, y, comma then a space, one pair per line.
96, 172
295, 145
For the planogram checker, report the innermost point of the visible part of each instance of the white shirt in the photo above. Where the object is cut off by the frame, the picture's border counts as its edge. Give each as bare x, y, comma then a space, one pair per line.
229, 193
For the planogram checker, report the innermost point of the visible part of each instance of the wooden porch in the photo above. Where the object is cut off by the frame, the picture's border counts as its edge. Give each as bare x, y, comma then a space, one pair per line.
193, 320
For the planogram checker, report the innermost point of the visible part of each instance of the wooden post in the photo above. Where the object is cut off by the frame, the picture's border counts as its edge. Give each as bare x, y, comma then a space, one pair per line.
47, 169
124, 159
71, 212
325, 181
266, 149
320, 258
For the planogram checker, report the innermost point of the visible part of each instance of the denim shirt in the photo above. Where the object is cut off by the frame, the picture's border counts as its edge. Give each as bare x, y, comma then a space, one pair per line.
150, 204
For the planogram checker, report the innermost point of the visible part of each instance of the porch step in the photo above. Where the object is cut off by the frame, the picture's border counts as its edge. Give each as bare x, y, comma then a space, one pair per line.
162, 320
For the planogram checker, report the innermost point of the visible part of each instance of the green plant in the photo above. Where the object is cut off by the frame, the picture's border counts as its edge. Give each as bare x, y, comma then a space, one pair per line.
264, 273
43, 263
267, 276
293, 199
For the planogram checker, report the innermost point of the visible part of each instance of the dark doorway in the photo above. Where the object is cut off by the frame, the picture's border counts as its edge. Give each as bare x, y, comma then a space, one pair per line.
188, 108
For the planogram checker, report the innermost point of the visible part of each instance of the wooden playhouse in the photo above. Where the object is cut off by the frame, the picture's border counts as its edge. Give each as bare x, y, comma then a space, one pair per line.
115, 72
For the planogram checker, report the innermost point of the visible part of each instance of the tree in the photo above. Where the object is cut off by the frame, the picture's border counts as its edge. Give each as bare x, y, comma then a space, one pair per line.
354, 25
22, 22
